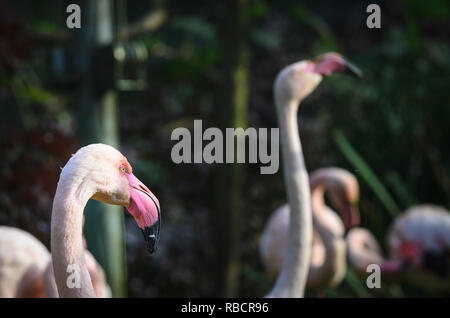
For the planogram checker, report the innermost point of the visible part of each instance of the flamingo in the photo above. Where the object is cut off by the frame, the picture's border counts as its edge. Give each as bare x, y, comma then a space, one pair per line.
23, 259
419, 244
328, 253
26, 268
96, 273
100, 172
292, 84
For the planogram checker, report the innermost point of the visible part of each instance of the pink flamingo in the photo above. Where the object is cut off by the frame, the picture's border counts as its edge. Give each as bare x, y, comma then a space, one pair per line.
328, 252
23, 259
293, 84
100, 172
26, 268
419, 246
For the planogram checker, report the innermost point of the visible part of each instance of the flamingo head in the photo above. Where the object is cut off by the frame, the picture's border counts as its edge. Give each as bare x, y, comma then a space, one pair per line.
411, 253
296, 81
342, 190
329, 63
114, 183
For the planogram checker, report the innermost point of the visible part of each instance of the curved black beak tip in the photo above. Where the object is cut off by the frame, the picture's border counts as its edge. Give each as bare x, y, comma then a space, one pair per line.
151, 237
352, 70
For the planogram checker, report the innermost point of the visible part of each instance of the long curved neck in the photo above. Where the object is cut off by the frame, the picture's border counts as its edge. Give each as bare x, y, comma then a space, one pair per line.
292, 279
71, 274
333, 267
364, 249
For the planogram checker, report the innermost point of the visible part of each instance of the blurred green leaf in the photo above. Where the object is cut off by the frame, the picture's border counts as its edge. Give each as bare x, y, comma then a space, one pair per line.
356, 285
258, 9
195, 27
400, 188
435, 9
363, 169
266, 39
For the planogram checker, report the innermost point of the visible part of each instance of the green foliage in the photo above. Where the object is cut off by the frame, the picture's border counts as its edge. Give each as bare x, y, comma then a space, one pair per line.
33, 93
189, 46
434, 9
258, 9
269, 40
152, 172
326, 39
365, 172
400, 188
195, 29
357, 285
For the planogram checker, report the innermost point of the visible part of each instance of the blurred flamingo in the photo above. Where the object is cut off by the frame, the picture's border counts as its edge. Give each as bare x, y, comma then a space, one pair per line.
419, 246
328, 253
26, 268
293, 84
100, 172
23, 259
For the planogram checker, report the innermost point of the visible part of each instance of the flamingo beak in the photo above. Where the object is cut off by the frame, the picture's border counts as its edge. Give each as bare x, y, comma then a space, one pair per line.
145, 209
352, 70
151, 237
329, 63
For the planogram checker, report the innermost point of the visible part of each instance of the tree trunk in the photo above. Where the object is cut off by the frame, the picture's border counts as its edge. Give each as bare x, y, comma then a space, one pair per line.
232, 112
98, 122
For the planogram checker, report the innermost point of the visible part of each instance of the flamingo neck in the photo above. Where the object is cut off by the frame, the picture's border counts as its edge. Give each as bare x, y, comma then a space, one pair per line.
317, 199
292, 279
71, 274
324, 218
333, 267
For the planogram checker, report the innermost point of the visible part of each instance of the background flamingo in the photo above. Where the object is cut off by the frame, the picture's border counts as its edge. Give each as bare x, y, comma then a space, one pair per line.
26, 268
102, 173
419, 246
293, 84
23, 259
328, 252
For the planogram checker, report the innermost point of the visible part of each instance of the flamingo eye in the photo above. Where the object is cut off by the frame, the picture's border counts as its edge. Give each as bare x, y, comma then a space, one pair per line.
122, 169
